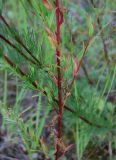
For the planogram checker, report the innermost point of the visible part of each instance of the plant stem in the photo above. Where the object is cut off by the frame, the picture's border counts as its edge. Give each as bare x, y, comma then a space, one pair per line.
18, 39
59, 128
17, 49
102, 35
86, 74
103, 41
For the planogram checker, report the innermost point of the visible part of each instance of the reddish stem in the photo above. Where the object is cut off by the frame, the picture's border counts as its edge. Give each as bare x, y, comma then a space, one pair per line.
59, 129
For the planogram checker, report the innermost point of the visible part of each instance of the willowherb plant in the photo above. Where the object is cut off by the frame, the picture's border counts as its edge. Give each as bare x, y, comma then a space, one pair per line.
48, 55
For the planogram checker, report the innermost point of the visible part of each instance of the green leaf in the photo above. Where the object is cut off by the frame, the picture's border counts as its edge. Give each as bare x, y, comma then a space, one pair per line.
90, 26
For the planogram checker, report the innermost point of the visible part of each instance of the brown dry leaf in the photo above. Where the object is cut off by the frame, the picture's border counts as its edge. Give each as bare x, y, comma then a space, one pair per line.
66, 150
61, 144
53, 78
53, 42
47, 5
51, 38
48, 31
63, 9
75, 67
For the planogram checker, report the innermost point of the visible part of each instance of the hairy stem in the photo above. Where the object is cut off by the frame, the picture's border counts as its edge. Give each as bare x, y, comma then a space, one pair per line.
59, 128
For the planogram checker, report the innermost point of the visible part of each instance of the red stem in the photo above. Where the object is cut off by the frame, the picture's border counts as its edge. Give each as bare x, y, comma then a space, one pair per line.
59, 129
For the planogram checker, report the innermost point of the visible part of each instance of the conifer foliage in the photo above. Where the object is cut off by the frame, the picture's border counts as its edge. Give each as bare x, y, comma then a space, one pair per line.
50, 54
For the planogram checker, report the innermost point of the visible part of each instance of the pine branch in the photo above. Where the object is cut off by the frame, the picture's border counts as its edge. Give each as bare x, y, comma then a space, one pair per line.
69, 109
18, 51
18, 39
19, 71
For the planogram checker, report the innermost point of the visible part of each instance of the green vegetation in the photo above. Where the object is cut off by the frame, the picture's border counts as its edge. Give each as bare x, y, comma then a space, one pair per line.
75, 91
